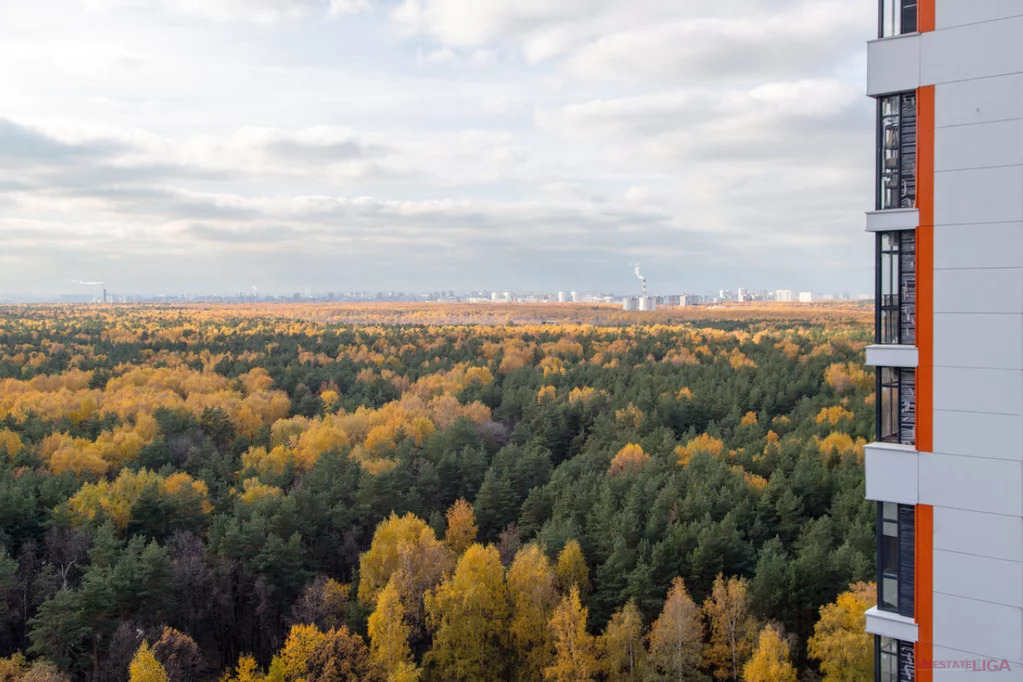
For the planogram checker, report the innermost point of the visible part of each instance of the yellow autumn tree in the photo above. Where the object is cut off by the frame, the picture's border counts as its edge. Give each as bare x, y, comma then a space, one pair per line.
533, 592
676, 637
546, 394
398, 542
311, 654
301, 645
575, 656
770, 661
620, 648
845, 377
462, 528
733, 629
702, 443
10, 443
247, 670
840, 642
389, 635
468, 615
572, 570
833, 415
144, 667
630, 458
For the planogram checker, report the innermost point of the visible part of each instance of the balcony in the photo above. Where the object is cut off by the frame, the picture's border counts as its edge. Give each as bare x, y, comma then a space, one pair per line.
896, 558
896, 405
896, 151
895, 288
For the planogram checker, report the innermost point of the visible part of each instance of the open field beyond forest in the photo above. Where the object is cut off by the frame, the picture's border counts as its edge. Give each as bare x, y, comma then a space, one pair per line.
434, 491
545, 313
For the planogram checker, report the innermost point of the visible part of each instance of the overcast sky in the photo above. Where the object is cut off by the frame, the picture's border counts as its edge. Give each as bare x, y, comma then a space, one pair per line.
215, 145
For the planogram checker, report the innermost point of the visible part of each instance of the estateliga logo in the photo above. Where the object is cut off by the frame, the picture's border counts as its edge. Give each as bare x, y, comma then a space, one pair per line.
986, 665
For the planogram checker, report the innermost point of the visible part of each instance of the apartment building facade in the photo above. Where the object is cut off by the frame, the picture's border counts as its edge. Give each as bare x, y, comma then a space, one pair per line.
946, 469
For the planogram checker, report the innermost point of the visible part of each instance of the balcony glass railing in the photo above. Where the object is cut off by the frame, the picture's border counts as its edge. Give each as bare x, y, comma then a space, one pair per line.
896, 405
896, 151
895, 557
897, 17
896, 288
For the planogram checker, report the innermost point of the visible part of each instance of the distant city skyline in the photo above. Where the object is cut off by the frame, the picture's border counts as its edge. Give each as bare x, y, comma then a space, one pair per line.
423, 144
102, 294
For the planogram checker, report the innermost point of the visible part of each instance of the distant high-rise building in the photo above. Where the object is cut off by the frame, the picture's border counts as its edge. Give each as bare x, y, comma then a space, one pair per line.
945, 468
493, 296
783, 295
562, 297
806, 297
742, 295
575, 296
629, 303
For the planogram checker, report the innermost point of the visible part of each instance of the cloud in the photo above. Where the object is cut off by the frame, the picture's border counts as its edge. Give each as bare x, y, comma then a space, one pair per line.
20, 143
255, 11
338, 7
320, 146
810, 39
512, 143
773, 120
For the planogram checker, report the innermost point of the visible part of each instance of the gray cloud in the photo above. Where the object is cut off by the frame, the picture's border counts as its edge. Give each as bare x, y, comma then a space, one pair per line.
322, 153
19, 144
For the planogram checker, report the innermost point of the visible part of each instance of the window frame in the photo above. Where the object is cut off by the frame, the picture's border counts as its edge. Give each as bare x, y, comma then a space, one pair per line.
902, 395
903, 518
902, 123
907, 12
901, 658
895, 305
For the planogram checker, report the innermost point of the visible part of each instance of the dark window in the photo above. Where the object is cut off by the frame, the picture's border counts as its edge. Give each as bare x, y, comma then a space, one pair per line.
896, 287
896, 405
895, 557
894, 660
896, 133
896, 17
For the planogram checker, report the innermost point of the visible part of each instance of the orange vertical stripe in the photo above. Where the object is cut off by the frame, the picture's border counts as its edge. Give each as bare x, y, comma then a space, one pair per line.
924, 590
925, 16
924, 556
925, 268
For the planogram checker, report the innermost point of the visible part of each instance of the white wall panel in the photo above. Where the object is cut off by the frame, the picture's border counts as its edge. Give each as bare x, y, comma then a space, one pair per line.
978, 390
973, 483
979, 627
977, 101
892, 625
949, 13
981, 145
989, 195
973, 51
978, 577
891, 473
990, 245
983, 534
893, 219
892, 355
978, 434
948, 674
978, 340
893, 65
993, 290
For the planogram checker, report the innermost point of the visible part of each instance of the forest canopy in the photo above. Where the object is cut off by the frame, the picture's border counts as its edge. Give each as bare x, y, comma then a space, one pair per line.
196, 492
